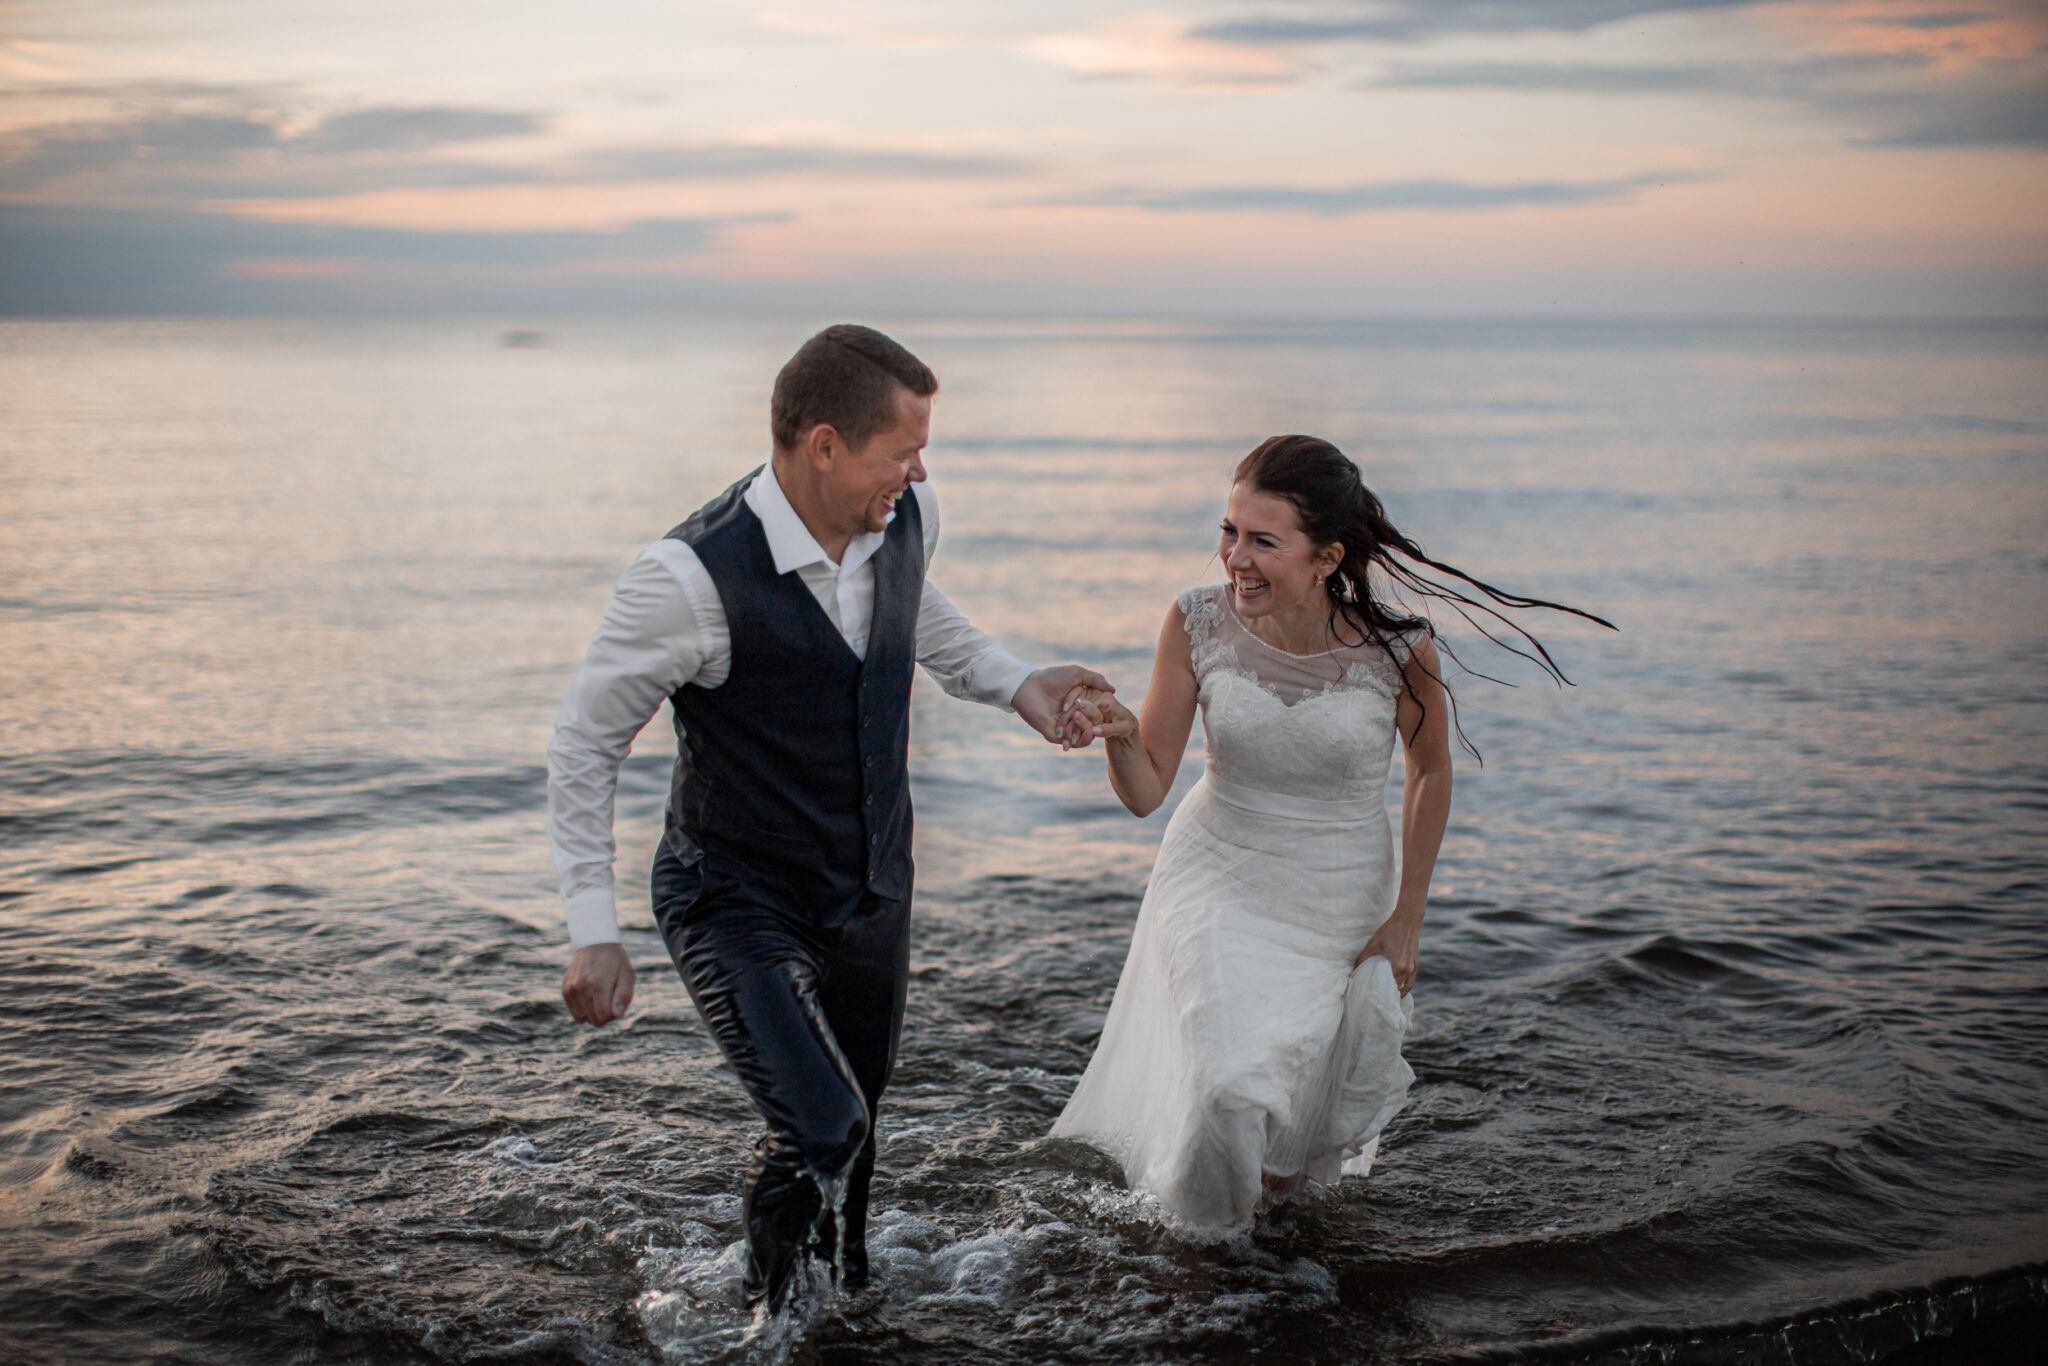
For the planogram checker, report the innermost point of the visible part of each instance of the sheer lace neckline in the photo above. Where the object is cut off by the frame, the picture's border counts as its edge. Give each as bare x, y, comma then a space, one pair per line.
1230, 605
1218, 635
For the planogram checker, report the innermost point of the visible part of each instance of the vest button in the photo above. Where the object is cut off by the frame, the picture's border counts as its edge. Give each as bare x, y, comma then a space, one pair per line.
874, 839
869, 800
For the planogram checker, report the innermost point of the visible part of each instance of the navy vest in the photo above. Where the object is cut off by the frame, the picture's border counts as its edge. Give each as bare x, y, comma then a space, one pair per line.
798, 762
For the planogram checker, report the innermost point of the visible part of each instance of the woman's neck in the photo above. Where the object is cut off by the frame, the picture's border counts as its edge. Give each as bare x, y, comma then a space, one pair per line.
1300, 628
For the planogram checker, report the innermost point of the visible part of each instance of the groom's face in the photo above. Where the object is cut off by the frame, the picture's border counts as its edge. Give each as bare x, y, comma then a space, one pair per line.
864, 482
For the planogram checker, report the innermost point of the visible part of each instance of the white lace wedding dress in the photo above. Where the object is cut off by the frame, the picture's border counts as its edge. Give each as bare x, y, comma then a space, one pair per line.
1240, 1041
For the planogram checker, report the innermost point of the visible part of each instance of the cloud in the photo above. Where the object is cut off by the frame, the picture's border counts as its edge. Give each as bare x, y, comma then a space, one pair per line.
1577, 78
1999, 112
724, 161
1147, 45
223, 154
216, 137
1458, 196
1932, 23
1407, 21
96, 260
214, 152
36, 156
1788, 79
396, 129
1160, 47
152, 93
1904, 98
635, 244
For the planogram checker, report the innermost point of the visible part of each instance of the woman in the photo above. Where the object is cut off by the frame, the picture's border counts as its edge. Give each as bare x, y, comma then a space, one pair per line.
1254, 1040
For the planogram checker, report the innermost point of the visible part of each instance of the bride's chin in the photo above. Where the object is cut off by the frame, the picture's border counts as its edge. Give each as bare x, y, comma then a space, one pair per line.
1266, 605
1260, 604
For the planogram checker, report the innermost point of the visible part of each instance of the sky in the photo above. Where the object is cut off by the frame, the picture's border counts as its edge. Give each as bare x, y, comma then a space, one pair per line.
1177, 156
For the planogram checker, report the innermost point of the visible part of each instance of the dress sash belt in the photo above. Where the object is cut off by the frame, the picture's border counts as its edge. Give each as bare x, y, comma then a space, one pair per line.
1292, 807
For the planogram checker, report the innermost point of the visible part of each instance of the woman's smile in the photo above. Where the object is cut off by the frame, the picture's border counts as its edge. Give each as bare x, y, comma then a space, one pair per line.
1250, 588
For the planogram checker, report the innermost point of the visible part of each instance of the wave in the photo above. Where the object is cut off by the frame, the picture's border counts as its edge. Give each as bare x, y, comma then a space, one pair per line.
177, 800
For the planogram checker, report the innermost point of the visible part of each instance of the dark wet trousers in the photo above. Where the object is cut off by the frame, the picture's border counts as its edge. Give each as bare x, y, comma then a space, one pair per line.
803, 991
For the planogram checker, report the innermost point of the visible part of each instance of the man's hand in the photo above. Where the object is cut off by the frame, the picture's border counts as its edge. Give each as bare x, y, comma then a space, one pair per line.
599, 983
1042, 700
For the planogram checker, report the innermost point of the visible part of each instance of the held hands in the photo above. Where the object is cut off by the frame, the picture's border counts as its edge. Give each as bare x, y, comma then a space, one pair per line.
1103, 717
599, 983
1046, 701
1396, 941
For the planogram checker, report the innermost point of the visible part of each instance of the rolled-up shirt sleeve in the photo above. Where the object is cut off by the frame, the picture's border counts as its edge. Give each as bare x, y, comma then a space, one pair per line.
658, 634
966, 661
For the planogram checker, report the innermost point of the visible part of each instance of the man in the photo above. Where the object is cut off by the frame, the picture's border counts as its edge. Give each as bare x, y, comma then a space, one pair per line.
781, 621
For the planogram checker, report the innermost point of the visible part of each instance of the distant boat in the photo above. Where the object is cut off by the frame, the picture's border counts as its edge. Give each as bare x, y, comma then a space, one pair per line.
521, 339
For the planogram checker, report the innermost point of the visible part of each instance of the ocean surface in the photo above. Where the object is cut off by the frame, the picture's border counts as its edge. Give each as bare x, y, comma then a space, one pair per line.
1731, 1033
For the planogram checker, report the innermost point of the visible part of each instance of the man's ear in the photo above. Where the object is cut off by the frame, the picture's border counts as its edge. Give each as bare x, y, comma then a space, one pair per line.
822, 445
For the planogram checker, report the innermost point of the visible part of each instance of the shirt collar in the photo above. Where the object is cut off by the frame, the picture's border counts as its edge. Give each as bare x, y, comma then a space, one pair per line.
789, 541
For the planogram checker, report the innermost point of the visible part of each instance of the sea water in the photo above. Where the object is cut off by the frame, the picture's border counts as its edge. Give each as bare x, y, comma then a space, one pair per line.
1730, 1036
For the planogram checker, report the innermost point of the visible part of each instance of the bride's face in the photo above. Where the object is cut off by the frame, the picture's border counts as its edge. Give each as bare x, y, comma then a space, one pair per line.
1273, 566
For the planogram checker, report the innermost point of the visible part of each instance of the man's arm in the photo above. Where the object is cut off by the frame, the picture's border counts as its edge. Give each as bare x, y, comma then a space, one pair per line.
970, 663
658, 633
965, 660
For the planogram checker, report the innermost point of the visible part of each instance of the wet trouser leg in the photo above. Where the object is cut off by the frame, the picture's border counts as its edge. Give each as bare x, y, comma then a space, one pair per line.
806, 1002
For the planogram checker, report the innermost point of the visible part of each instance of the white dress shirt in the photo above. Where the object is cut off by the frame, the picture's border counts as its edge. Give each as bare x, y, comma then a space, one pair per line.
666, 627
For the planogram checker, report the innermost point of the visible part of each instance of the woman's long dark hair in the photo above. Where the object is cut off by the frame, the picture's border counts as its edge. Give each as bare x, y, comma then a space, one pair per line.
1335, 507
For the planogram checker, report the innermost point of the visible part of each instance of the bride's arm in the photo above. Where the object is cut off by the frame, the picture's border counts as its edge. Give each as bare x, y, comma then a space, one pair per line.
1425, 727
1145, 750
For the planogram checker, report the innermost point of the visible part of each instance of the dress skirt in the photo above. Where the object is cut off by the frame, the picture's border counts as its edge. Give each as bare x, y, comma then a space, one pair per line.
1241, 1043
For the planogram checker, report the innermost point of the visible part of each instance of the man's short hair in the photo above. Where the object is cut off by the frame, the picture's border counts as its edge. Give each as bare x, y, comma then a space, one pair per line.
846, 376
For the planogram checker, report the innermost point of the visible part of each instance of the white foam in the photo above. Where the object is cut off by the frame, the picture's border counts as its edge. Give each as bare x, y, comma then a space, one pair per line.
692, 1309
916, 1259
694, 1313
511, 1148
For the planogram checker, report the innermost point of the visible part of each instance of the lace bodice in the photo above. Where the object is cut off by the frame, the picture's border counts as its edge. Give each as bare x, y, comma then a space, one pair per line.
1318, 726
